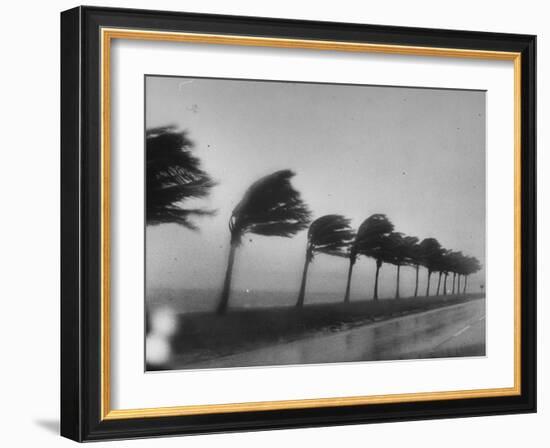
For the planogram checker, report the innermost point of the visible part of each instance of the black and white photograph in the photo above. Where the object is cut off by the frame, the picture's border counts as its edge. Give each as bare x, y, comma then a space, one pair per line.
292, 223
281, 219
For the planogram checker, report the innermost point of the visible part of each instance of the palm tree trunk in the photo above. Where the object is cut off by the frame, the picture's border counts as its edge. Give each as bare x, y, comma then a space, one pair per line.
465, 284
416, 281
454, 278
302, 294
397, 286
439, 283
428, 284
445, 284
458, 285
378, 265
226, 291
348, 286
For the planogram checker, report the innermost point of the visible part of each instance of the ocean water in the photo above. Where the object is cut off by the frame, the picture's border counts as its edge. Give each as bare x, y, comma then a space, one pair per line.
200, 300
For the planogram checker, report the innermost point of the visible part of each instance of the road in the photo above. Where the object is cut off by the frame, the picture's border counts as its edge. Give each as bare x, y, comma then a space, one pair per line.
457, 330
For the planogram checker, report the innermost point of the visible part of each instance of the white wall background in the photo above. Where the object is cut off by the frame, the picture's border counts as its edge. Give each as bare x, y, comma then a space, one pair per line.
29, 228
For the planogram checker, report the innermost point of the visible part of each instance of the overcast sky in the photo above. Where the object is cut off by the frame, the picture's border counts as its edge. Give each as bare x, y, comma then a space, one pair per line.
417, 155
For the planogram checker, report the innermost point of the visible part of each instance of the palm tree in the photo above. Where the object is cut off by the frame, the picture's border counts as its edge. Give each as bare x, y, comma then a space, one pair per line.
173, 176
329, 234
401, 251
446, 273
409, 251
462, 269
396, 254
471, 265
415, 258
371, 241
454, 283
445, 266
455, 261
457, 266
439, 283
352, 255
431, 252
270, 207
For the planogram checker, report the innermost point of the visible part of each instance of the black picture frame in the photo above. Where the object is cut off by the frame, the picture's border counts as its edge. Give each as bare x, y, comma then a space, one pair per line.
81, 224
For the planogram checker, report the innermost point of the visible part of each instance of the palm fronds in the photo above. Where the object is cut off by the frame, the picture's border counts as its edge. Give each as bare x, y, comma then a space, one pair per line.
270, 207
370, 239
331, 235
430, 253
173, 175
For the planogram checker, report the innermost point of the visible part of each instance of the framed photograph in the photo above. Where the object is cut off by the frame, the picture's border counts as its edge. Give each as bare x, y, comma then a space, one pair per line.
271, 224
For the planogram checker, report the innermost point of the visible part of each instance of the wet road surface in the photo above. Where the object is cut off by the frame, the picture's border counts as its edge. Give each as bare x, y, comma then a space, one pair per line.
457, 330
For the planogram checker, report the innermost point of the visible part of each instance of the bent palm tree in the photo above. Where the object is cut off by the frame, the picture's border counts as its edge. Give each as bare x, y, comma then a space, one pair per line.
439, 282
415, 259
396, 254
173, 176
457, 261
450, 262
471, 265
352, 259
371, 241
270, 207
445, 265
407, 255
329, 234
431, 252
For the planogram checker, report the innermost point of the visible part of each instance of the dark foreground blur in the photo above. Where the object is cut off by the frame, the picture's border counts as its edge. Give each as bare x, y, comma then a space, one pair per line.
322, 333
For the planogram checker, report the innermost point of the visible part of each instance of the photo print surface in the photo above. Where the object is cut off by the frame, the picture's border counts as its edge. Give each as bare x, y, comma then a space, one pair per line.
294, 223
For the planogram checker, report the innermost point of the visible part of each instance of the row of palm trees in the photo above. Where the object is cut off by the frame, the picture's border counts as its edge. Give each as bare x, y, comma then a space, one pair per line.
376, 238
273, 207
